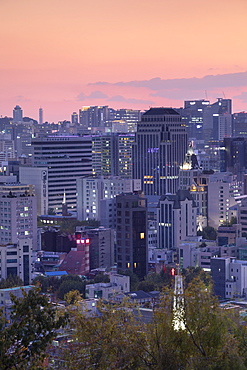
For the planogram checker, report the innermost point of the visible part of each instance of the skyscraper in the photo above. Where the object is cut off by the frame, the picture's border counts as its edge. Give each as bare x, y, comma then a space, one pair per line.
17, 114
159, 150
132, 233
67, 158
40, 116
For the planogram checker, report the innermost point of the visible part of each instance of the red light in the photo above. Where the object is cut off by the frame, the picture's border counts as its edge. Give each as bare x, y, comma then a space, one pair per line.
87, 241
173, 272
78, 235
77, 241
82, 241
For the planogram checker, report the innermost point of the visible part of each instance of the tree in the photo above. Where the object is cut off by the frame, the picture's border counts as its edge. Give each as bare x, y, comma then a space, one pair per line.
33, 326
10, 282
70, 285
210, 338
208, 233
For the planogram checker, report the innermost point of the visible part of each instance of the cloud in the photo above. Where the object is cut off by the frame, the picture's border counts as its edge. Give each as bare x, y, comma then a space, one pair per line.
93, 95
205, 83
120, 98
242, 96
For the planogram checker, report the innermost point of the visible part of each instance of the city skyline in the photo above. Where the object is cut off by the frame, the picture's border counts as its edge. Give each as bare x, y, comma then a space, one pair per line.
64, 54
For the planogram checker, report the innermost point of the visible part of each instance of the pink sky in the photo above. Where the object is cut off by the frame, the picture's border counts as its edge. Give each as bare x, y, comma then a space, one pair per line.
54, 54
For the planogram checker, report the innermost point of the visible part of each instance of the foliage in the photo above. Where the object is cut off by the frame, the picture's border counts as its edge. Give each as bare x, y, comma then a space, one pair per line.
10, 282
192, 272
69, 225
70, 285
111, 341
33, 326
134, 280
208, 233
210, 337
101, 278
72, 297
232, 221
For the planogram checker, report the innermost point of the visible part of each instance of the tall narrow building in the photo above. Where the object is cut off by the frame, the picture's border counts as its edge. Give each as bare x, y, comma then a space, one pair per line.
159, 150
132, 233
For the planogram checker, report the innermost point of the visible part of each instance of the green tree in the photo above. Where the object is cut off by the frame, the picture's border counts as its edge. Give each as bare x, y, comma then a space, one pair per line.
208, 233
33, 326
10, 282
68, 285
192, 272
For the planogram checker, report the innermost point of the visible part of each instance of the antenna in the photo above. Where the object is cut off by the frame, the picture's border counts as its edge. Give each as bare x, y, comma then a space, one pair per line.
206, 94
223, 94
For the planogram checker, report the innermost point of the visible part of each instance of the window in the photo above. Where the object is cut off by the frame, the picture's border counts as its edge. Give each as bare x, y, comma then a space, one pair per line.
142, 235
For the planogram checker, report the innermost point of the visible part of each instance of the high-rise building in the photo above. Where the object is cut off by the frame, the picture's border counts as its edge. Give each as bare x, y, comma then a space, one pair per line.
239, 122
40, 116
91, 190
17, 114
74, 118
192, 116
18, 213
176, 219
130, 116
67, 158
234, 155
159, 150
213, 120
132, 233
94, 116
112, 154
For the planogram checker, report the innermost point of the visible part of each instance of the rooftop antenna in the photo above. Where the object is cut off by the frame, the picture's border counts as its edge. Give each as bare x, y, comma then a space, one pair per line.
223, 94
206, 94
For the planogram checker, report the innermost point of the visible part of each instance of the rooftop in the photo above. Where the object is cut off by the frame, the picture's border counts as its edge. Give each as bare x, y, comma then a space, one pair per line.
160, 112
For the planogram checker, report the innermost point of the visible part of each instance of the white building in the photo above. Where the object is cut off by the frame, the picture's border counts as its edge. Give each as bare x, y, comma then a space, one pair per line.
118, 283
37, 176
18, 213
16, 260
223, 188
90, 191
176, 219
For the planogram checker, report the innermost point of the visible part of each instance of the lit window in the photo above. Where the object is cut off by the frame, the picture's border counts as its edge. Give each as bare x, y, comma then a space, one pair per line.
142, 235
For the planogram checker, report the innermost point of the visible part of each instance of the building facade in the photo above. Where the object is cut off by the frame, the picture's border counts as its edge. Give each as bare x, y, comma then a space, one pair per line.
159, 150
67, 158
132, 233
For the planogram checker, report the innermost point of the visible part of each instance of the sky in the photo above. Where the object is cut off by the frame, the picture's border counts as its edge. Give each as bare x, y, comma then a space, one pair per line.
64, 54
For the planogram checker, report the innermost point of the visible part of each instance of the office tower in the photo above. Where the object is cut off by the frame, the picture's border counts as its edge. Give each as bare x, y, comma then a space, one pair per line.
223, 188
74, 118
132, 233
159, 150
18, 215
224, 126
176, 219
192, 116
130, 116
112, 154
40, 116
37, 176
67, 158
239, 123
17, 114
213, 121
91, 190
234, 156
94, 116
